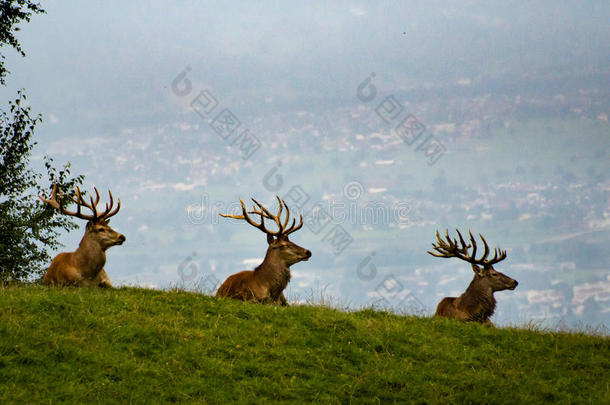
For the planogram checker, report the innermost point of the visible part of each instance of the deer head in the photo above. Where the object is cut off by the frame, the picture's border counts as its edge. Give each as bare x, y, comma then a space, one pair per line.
98, 229
485, 274
280, 247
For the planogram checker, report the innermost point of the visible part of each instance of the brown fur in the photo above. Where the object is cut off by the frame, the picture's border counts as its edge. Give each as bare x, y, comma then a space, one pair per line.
85, 266
477, 303
267, 282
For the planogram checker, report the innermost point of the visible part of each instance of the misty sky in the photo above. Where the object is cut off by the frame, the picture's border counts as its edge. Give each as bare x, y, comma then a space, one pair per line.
100, 73
115, 57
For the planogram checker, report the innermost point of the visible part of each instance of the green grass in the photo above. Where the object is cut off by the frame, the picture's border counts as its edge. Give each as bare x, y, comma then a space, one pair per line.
146, 346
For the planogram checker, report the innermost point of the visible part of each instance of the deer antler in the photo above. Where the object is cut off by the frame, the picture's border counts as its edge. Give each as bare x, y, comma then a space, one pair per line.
80, 202
265, 213
277, 218
109, 212
449, 248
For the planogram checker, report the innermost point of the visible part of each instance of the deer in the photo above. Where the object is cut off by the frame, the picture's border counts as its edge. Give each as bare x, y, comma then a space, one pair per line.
85, 266
266, 283
477, 303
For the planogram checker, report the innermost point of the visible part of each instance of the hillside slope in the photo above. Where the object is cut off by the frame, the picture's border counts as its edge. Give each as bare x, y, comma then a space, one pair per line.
134, 345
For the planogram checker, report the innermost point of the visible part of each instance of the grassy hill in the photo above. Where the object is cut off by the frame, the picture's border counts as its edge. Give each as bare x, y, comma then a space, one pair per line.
145, 346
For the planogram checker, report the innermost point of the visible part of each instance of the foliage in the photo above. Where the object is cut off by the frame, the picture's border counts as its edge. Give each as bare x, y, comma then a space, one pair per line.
11, 13
27, 228
145, 346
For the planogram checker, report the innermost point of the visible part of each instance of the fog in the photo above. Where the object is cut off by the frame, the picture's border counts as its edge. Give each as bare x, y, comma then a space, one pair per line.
515, 94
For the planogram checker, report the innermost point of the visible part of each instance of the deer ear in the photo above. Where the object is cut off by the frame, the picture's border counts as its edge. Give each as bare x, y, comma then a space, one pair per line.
269, 239
478, 270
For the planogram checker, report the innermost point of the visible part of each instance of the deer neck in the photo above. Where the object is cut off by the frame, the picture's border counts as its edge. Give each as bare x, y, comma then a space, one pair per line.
90, 256
478, 300
273, 271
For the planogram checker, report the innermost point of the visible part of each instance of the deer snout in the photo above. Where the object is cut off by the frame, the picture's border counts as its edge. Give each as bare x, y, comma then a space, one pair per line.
121, 239
308, 254
515, 284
